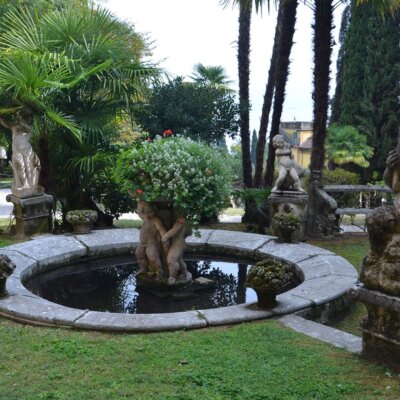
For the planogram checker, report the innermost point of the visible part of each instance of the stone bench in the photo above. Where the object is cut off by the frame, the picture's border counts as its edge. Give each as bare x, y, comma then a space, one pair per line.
366, 190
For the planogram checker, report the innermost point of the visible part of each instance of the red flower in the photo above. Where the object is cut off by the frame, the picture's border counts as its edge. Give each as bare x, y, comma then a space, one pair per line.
139, 192
168, 132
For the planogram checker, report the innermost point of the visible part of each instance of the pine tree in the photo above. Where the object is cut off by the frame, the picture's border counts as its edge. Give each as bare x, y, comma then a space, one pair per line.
254, 141
370, 89
336, 105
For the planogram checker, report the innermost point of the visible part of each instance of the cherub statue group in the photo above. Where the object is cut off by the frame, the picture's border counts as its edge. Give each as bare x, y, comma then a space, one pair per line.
160, 251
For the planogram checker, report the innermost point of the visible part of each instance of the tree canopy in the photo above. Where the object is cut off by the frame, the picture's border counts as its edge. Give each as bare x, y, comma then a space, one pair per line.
202, 112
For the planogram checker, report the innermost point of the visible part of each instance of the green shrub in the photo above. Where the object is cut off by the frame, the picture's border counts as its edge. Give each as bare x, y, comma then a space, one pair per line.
192, 176
340, 176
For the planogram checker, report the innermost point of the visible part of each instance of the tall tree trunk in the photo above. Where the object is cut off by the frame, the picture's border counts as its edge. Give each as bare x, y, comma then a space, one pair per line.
244, 101
266, 108
323, 15
281, 75
322, 60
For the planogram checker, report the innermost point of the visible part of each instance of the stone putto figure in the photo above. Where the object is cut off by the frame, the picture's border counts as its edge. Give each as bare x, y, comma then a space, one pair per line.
160, 253
289, 170
149, 252
25, 163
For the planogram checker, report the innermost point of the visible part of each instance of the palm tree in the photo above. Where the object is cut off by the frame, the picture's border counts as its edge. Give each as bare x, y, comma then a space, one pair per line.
91, 71
346, 144
267, 103
245, 9
288, 21
383, 6
211, 75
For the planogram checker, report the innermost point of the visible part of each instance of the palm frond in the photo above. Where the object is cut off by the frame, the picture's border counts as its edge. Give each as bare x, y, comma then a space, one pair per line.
20, 31
66, 121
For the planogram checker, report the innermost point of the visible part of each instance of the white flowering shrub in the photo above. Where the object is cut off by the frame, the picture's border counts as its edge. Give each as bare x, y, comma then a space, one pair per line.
192, 176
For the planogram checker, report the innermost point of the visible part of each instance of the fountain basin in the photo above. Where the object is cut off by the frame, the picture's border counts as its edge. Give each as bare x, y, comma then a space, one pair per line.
327, 279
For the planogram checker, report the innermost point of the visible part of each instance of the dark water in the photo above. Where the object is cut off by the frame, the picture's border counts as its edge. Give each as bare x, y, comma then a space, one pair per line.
110, 285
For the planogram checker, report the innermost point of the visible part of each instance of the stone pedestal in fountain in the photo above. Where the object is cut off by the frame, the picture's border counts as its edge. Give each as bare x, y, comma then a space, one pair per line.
31, 211
292, 201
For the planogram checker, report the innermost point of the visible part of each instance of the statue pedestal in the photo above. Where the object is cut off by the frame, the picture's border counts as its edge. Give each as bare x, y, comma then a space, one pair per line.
296, 202
32, 214
381, 328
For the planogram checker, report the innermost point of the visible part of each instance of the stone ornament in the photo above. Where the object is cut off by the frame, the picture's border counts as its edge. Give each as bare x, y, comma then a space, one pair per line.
7, 267
289, 170
161, 250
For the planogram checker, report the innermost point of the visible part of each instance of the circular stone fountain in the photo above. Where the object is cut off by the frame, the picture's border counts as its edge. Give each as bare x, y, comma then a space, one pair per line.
326, 280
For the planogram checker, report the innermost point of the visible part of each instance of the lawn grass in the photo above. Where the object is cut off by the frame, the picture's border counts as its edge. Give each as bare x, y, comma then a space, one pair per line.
260, 360
128, 223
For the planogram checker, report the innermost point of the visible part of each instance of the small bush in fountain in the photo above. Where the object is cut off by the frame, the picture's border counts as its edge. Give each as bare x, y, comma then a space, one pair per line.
81, 216
268, 275
191, 176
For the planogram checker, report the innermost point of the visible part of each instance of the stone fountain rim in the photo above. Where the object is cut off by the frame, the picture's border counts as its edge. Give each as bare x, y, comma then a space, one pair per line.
327, 278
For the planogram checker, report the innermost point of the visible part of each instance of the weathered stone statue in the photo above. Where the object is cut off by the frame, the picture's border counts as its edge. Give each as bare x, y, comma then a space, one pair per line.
25, 163
380, 274
31, 205
6, 269
287, 194
290, 171
381, 267
161, 250
149, 252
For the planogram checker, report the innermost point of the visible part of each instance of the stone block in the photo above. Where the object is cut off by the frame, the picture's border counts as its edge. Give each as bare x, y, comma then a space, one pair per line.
324, 333
236, 243
319, 266
325, 289
37, 310
293, 252
288, 304
110, 241
233, 314
51, 249
139, 322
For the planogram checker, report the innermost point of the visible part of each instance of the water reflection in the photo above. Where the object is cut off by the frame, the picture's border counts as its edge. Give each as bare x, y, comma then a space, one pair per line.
110, 285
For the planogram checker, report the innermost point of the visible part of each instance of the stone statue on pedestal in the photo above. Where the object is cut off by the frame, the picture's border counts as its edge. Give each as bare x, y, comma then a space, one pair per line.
25, 162
31, 205
287, 196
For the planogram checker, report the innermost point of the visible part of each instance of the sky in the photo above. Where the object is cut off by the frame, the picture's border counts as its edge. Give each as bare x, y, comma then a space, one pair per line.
186, 32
